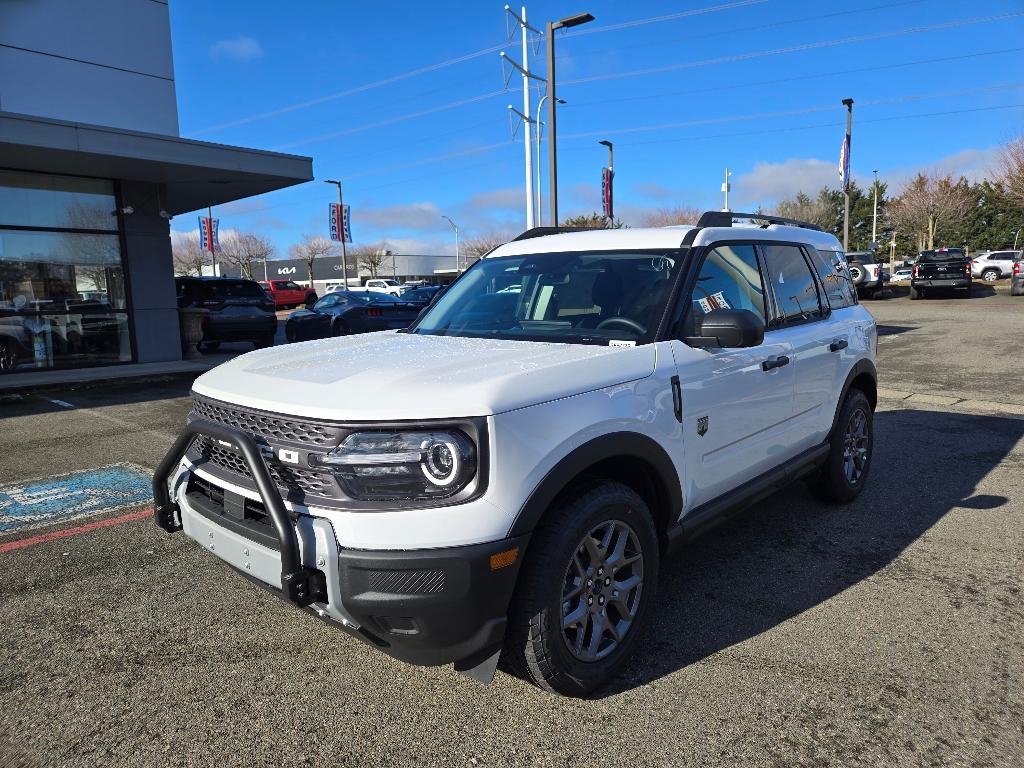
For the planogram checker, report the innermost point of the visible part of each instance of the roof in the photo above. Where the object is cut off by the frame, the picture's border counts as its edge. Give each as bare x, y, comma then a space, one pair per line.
663, 237
195, 174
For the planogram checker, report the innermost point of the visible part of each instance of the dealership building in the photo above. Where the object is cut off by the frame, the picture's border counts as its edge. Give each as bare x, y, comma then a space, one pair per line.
91, 171
327, 274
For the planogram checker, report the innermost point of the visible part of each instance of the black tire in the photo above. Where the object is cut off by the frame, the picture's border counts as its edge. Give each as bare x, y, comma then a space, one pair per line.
916, 293
262, 343
857, 273
832, 482
340, 328
1017, 290
536, 645
990, 275
8, 356
311, 299
289, 333
964, 294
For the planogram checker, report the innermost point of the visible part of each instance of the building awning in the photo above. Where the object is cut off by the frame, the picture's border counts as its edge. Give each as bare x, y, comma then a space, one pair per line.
195, 174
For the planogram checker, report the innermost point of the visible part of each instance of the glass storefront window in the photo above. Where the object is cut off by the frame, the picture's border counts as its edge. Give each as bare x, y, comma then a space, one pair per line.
63, 299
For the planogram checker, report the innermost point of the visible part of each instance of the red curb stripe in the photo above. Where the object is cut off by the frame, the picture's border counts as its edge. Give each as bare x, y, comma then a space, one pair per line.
22, 543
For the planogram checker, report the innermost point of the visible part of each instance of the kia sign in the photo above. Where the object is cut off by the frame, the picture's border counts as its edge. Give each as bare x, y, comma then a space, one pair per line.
339, 222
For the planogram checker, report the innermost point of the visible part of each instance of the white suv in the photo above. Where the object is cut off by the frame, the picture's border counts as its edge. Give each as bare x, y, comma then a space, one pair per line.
502, 479
392, 287
993, 265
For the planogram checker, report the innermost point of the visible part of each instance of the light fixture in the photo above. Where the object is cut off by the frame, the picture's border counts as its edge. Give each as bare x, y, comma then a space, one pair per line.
165, 215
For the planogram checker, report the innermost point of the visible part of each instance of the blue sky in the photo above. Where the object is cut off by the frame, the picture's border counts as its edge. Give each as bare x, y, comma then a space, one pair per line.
754, 85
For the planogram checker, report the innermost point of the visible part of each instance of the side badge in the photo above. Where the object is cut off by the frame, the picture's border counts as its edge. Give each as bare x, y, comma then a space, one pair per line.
702, 425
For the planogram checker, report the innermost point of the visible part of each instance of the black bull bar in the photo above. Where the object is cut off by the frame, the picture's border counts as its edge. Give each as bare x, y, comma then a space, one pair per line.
301, 585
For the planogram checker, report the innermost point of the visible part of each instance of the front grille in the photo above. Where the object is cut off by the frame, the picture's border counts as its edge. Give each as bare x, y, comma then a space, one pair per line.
266, 425
293, 481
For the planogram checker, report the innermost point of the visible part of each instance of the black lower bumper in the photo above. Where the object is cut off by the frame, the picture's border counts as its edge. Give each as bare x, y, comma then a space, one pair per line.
433, 607
949, 283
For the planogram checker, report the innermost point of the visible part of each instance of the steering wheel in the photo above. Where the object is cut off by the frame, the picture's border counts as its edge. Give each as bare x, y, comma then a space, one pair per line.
631, 324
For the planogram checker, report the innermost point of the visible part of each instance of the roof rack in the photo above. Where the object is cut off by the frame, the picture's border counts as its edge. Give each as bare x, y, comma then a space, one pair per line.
542, 231
726, 218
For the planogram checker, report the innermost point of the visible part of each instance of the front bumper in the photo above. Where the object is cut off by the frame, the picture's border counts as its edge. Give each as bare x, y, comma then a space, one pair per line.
426, 607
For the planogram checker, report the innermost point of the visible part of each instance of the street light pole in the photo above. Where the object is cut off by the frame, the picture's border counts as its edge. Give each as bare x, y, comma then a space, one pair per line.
458, 261
540, 125
341, 222
848, 103
552, 27
726, 187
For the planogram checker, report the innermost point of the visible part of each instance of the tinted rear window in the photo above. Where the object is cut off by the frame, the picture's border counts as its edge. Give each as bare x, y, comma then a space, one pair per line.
951, 254
227, 289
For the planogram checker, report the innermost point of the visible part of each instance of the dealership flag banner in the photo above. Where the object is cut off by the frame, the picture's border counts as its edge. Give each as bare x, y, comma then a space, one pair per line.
607, 176
208, 234
844, 164
340, 222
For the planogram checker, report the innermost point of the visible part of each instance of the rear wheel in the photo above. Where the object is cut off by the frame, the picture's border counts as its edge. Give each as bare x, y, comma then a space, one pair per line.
990, 275
845, 472
339, 328
585, 591
265, 341
916, 293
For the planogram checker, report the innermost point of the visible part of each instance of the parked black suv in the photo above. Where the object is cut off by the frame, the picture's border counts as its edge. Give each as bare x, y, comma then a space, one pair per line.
238, 310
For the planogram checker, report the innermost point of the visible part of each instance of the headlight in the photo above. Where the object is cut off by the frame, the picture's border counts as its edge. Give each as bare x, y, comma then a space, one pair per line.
377, 466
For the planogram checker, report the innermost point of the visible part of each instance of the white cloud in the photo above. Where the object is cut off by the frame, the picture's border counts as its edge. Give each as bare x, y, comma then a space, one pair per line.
240, 48
416, 217
770, 182
972, 164
506, 199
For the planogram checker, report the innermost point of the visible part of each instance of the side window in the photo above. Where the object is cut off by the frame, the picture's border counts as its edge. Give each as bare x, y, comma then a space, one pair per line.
729, 278
834, 277
793, 284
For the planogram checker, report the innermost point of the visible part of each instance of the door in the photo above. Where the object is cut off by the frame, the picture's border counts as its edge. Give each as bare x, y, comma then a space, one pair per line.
734, 407
816, 337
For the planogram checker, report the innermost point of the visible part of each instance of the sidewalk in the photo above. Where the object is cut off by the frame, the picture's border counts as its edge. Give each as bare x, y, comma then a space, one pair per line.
35, 381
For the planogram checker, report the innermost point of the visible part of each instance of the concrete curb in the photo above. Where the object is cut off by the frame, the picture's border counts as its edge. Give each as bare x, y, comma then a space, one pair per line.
962, 403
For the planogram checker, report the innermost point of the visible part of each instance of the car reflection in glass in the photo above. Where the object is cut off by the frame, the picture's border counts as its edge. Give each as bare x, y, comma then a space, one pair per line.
342, 313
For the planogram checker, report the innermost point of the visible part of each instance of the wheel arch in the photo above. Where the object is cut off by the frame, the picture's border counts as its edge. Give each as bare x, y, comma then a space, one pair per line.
862, 376
630, 458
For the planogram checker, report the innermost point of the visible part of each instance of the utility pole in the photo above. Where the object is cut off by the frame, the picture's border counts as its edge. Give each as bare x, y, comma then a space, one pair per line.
552, 27
726, 186
458, 261
874, 216
848, 103
524, 70
342, 222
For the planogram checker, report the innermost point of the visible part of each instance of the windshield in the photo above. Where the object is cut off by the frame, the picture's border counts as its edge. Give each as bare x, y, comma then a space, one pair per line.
579, 298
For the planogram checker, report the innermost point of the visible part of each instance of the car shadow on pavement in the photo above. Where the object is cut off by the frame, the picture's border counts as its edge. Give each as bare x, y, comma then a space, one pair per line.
792, 552
894, 330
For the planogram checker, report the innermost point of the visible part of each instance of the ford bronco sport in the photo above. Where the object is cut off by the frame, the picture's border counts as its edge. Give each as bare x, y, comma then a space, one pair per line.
500, 481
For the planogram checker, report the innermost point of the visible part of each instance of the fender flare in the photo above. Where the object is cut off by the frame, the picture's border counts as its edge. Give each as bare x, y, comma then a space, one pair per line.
608, 446
862, 366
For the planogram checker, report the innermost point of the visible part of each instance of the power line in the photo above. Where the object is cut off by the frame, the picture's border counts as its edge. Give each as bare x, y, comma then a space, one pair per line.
746, 85
666, 17
956, 24
438, 66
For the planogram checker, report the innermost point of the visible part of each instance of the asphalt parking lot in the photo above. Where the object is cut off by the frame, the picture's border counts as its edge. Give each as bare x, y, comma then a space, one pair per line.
883, 633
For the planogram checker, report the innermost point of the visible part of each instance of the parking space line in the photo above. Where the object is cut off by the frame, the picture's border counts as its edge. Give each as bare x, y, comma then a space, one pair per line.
61, 403
44, 537
96, 413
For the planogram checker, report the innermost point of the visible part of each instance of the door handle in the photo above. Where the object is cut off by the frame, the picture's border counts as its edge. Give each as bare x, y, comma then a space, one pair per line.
774, 362
677, 399
837, 345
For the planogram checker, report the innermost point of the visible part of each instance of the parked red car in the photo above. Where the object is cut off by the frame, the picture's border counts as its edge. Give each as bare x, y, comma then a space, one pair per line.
286, 293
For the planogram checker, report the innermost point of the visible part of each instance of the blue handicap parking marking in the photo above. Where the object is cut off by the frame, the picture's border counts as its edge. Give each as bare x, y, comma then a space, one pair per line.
89, 492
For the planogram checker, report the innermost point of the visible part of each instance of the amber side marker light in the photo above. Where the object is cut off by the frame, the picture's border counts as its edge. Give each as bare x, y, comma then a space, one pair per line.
504, 559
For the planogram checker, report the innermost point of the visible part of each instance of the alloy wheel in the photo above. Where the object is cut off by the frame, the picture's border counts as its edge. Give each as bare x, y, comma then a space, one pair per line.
855, 447
990, 276
601, 590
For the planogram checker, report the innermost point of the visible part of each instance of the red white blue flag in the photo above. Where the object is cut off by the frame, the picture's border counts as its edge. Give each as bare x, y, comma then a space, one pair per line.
208, 240
844, 164
340, 225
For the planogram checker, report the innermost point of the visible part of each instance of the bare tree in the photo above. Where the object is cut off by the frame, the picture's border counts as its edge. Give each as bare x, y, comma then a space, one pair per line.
188, 257
310, 248
370, 257
928, 201
667, 217
1010, 172
474, 248
816, 210
243, 249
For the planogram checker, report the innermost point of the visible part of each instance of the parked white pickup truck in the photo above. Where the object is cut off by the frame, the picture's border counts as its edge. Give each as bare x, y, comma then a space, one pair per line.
379, 285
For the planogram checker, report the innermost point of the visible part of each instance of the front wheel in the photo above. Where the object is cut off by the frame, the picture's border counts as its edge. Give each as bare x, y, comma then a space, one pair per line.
843, 475
585, 591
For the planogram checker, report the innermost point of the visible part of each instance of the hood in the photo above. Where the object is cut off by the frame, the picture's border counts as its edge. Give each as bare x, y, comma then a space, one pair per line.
393, 376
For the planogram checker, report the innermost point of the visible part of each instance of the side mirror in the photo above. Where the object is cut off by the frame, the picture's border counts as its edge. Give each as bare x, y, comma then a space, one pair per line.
727, 328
